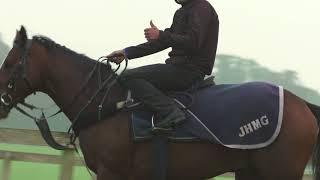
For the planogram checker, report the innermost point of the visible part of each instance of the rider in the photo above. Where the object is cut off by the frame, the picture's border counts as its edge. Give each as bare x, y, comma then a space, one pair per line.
193, 37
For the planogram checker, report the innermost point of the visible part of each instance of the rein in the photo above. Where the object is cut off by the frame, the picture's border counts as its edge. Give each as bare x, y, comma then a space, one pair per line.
20, 72
105, 84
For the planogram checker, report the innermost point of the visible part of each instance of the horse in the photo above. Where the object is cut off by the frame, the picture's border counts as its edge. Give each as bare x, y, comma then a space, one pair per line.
40, 64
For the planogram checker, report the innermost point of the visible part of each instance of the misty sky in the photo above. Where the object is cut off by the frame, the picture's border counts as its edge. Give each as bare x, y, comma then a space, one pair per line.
277, 34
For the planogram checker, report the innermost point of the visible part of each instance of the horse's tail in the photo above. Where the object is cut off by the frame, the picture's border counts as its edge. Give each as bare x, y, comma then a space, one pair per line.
316, 154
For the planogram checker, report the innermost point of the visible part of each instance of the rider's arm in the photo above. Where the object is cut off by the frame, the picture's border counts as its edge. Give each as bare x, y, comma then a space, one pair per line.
145, 49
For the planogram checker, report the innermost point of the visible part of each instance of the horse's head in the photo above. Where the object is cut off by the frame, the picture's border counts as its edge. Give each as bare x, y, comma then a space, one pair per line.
20, 72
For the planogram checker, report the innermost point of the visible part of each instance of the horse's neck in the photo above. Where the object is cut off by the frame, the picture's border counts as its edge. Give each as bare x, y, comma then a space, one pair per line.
65, 81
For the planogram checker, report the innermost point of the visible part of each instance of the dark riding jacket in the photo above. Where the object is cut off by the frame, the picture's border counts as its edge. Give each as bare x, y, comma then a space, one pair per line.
193, 37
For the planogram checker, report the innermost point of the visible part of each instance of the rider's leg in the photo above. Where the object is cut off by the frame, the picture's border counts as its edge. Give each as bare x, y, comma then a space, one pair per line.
148, 82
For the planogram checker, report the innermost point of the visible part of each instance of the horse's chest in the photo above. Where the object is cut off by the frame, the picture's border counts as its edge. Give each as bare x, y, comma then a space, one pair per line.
102, 145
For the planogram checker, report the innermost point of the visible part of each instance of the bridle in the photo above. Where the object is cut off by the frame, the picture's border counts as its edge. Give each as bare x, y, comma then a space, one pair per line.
7, 101
20, 73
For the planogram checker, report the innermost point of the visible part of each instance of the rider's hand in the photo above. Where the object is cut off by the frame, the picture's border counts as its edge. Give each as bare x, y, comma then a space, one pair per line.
117, 56
151, 33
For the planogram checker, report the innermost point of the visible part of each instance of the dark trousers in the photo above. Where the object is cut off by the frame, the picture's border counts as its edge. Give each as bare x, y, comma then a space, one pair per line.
148, 84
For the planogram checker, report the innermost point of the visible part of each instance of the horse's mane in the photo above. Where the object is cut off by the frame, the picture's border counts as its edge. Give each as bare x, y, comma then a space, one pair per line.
51, 45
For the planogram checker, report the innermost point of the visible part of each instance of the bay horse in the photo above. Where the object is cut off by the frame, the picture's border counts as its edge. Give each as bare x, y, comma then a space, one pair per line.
40, 64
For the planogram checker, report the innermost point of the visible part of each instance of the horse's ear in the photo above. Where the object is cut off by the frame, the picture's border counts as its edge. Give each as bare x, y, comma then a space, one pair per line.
23, 32
21, 37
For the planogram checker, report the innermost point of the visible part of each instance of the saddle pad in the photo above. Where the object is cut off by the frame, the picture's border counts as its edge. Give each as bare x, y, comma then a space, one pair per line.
242, 116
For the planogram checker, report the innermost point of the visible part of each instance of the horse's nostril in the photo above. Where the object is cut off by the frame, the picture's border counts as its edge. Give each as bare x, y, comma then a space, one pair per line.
6, 99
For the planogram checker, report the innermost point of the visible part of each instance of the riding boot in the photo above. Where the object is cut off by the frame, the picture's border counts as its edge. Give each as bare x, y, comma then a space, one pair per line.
169, 121
167, 114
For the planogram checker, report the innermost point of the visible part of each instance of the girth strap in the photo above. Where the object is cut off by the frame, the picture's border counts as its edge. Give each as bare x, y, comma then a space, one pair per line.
160, 157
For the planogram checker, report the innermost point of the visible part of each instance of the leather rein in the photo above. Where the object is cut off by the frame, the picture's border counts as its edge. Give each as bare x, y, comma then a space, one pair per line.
20, 72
